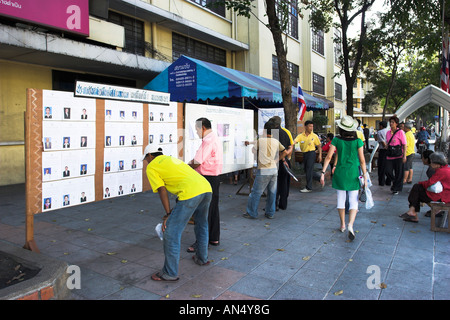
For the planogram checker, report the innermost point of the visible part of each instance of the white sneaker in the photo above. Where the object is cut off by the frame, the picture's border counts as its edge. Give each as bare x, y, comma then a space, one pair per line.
305, 190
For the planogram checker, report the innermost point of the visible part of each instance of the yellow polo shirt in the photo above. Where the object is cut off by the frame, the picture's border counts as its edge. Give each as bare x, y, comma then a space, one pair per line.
178, 178
410, 142
360, 135
307, 143
290, 139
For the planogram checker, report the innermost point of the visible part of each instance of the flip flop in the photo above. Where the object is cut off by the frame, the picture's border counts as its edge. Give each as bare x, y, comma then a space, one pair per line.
159, 277
404, 215
411, 219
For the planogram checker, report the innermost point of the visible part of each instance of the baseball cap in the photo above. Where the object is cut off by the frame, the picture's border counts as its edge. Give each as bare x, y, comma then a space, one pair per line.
151, 148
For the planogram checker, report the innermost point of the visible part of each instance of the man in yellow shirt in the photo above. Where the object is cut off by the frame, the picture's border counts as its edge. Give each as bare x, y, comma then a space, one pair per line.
308, 141
169, 174
410, 143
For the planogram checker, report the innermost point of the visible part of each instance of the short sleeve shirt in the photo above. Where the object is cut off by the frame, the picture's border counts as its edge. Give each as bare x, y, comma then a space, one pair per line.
210, 156
268, 152
307, 142
410, 142
398, 139
178, 178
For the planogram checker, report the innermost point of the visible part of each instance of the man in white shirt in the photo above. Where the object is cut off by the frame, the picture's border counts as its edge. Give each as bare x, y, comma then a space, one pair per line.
382, 150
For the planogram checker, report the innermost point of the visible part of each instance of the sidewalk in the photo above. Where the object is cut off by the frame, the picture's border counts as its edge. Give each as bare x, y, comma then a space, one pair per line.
298, 255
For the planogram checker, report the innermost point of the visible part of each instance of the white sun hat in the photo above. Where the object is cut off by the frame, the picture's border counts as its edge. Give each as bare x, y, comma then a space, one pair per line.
347, 123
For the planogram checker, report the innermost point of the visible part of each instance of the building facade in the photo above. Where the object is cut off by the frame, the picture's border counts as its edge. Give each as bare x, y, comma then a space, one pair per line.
129, 42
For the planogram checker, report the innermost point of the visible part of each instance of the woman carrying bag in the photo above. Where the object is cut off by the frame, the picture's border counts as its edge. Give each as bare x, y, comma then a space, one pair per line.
396, 155
350, 156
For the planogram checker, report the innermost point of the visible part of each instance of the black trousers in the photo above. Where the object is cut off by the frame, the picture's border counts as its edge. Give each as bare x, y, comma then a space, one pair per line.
395, 173
417, 195
213, 216
382, 179
283, 183
309, 159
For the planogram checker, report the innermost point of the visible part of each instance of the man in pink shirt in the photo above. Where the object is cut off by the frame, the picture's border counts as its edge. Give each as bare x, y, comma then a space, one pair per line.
208, 161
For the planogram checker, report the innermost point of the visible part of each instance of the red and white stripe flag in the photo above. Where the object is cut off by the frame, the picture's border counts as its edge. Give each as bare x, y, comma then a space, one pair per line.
301, 103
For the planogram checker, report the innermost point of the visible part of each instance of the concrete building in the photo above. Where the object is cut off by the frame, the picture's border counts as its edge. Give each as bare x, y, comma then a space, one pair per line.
129, 42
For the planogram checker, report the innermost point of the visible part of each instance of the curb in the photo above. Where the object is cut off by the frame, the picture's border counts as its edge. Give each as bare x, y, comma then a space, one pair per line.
48, 284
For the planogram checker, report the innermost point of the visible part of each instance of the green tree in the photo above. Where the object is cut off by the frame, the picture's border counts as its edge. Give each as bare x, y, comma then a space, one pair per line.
277, 16
347, 11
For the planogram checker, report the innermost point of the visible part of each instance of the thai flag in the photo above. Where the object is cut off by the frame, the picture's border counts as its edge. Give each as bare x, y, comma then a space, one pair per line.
301, 103
445, 65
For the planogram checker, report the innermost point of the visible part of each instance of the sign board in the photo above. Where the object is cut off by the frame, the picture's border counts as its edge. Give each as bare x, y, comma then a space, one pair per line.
67, 15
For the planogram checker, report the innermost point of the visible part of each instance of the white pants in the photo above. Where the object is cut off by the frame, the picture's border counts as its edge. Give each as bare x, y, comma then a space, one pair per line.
352, 199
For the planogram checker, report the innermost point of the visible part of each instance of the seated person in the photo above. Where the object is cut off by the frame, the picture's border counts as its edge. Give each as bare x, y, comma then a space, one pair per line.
426, 161
419, 192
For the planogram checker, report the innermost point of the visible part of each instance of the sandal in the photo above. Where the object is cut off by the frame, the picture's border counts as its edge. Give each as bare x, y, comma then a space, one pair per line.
197, 261
404, 215
192, 248
160, 277
214, 243
411, 219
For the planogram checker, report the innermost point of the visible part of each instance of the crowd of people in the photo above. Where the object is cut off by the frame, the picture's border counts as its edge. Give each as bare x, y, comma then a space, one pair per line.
196, 183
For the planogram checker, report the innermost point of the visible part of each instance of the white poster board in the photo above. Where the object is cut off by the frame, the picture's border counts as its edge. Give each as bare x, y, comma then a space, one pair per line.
69, 136
265, 114
68, 160
233, 126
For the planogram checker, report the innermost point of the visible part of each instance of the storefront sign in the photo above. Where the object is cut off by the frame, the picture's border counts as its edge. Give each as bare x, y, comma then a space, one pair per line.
68, 15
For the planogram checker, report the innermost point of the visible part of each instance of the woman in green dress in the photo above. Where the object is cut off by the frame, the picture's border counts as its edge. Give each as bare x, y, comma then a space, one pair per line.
350, 156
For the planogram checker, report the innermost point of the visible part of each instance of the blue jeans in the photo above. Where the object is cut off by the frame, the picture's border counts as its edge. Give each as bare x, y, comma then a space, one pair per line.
263, 178
176, 223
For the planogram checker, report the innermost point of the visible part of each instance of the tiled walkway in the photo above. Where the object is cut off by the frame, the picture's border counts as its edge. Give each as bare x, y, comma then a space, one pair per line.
298, 255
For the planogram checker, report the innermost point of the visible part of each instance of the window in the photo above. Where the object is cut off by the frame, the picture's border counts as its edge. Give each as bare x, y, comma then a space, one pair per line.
318, 42
134, 32
357, 103
218, 9
337, 91
292, 23
182, 45
293, 69
318, 84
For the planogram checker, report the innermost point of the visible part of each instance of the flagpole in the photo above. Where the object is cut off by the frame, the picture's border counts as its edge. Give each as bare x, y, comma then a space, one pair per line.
444, 113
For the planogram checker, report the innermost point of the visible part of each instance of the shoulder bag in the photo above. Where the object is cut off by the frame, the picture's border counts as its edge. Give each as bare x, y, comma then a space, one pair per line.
394, 151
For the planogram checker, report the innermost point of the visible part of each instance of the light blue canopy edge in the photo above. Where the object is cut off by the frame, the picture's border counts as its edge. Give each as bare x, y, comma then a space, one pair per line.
190, 80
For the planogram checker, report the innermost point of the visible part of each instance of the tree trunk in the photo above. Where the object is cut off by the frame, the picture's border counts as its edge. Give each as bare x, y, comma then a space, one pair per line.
290, 108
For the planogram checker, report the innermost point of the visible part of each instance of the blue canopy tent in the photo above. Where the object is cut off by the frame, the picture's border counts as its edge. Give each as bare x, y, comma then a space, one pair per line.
193, 80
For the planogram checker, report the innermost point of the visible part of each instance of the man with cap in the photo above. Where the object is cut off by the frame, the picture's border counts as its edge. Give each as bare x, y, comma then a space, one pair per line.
169, 174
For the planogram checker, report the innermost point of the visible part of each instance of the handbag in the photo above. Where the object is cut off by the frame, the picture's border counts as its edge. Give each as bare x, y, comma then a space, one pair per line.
362, 195
394, 151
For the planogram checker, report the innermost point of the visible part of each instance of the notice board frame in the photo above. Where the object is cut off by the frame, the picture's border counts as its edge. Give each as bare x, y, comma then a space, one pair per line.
34, 148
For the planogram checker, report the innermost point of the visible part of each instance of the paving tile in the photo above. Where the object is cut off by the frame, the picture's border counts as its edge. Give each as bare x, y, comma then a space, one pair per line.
256, 286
